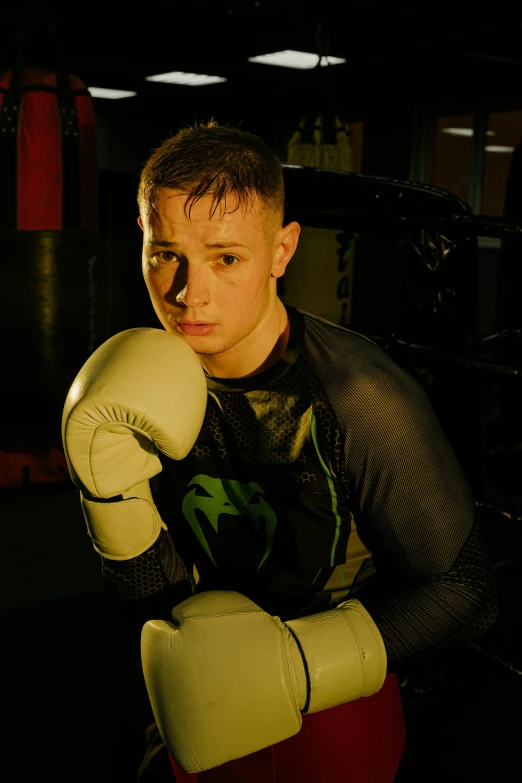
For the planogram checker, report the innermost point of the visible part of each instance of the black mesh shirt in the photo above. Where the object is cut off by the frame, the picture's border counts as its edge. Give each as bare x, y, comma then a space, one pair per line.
326, 477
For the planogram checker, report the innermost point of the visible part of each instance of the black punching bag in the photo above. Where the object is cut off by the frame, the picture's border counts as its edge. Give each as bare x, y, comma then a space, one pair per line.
504, 456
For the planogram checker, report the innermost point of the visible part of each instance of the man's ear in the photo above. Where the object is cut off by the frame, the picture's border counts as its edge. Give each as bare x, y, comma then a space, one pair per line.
286, 244
140, 222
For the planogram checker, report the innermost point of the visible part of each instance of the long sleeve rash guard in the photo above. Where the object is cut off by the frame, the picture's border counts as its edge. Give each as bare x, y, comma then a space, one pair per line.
326, 477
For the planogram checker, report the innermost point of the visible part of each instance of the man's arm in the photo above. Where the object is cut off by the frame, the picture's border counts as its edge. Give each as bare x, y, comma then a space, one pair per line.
415, 513
153, 582
141, 392
438, 611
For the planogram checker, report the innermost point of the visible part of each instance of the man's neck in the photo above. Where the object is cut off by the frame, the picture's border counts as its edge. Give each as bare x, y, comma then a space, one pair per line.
252, 358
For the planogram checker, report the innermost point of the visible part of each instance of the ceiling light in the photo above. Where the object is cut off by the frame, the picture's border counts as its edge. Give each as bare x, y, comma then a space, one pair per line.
106, 92
458, 131
292, 59
190, 79
498, 148
464, 132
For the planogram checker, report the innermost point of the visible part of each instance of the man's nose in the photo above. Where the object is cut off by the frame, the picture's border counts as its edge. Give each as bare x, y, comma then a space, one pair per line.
192, 286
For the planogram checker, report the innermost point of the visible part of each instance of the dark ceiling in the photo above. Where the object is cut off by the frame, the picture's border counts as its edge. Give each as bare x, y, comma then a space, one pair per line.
395, 52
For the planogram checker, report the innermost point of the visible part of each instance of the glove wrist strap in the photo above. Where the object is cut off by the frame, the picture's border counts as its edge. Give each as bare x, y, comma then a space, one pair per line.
123, 529
344, 653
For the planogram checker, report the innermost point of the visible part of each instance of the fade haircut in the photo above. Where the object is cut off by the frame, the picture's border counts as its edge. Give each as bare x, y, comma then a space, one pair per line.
219, 160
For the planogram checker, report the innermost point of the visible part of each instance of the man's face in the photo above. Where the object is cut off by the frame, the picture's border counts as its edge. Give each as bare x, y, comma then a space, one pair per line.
212, 278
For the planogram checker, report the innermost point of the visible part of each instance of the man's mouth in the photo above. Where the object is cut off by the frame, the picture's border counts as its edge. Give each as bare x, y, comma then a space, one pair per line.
195, 328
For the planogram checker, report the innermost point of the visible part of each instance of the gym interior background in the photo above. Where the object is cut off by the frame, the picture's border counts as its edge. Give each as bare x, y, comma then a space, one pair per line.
404, 165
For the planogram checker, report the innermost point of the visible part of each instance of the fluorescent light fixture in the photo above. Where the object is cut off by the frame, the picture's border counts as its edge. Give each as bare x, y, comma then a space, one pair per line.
498, 148
289, 58
458, 131
464, 132
106, 92
190, 79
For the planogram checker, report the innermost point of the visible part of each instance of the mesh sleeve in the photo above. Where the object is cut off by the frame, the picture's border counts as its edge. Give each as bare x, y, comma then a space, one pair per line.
439, 611
157, 569
415, 511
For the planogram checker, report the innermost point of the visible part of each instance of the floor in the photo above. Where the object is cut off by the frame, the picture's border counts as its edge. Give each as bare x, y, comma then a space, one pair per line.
74, 712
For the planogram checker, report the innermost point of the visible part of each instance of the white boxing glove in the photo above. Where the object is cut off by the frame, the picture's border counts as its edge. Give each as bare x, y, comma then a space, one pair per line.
143, 390
226, 679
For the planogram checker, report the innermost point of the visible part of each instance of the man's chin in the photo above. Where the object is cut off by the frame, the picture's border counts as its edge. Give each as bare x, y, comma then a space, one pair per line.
203, 345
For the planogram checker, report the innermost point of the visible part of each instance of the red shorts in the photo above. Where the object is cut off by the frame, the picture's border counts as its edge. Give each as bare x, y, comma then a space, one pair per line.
358, 742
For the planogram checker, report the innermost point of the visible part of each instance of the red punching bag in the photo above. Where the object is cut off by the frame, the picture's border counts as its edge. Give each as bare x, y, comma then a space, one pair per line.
48, 154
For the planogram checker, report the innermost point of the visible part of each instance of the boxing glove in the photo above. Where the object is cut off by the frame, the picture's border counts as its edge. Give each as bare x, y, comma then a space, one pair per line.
142, 391
226, 679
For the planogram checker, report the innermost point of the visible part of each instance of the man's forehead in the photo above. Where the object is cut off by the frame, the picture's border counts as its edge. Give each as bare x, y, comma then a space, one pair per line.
171, 226
209, 205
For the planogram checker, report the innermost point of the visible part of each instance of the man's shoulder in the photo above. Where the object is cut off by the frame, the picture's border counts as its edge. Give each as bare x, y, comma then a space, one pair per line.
323, 324
352, 363
333, 342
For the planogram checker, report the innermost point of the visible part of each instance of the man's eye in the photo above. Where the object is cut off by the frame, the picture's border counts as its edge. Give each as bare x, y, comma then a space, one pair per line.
229, 260
165, 256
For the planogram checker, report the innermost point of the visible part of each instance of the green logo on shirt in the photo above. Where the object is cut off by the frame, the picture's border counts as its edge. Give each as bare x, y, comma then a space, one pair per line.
226, 496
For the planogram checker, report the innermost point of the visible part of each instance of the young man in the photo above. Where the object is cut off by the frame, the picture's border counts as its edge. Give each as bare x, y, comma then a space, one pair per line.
315, 487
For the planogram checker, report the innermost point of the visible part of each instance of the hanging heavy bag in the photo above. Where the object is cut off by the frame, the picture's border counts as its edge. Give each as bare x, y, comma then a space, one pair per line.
48, 225
320, 277
48, 158
323, 141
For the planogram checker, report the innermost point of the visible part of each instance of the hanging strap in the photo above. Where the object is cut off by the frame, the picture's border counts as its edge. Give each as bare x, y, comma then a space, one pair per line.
70, 135
11, 98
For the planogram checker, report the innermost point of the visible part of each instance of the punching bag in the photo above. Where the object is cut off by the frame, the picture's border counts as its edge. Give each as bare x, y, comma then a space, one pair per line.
323, 141
509, 304
48, 154
320, 277
48, 225
504, 453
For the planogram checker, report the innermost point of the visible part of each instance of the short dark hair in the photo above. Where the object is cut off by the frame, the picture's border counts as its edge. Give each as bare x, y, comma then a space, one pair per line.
217, 159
